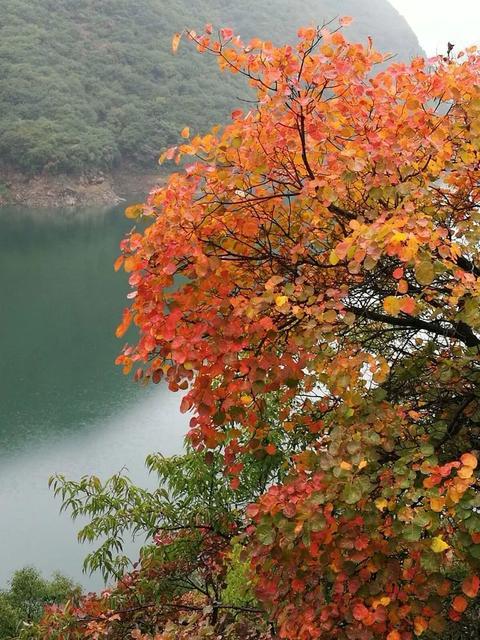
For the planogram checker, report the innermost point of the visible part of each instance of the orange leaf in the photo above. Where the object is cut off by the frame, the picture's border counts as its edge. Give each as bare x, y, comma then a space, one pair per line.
408, 305
123, 326
459, 604
130, 263
469, 460
345, 21
118, 263
437, 504
471, 586
176, 41
420, 625
444, 587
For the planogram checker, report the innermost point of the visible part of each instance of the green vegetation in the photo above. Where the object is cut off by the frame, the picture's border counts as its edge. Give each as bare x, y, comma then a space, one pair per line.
93, 83
22, 604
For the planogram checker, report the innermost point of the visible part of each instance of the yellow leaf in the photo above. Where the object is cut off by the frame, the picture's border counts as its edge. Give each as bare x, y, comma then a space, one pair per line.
465, 472
334, 259
362, 464
392, 305
330, 316
281, 300
135, 211
399, 236
381, 504
246, 399
454, 495
438, 545
349, 318
425, 272
346, 466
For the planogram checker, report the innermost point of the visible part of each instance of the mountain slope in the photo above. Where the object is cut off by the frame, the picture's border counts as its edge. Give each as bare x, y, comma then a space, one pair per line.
93, 83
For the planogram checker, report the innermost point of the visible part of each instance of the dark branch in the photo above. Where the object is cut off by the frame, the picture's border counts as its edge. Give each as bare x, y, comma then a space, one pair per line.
455, 423
468, 265
460, 330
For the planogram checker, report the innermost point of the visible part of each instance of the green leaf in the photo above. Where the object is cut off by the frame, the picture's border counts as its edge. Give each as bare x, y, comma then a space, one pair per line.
351, 494
265, 534
422, 519
430, 561
412, 532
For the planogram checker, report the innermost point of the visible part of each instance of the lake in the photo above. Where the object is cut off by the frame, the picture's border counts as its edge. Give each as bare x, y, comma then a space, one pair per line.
64, 406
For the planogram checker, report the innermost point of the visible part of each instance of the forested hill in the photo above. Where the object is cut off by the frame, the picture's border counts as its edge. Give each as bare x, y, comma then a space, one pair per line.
93, 83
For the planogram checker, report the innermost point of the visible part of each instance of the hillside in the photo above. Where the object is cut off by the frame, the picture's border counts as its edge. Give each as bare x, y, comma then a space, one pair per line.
93, 84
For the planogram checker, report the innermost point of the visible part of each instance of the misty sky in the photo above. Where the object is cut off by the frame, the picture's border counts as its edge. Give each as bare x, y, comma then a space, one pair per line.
438, 21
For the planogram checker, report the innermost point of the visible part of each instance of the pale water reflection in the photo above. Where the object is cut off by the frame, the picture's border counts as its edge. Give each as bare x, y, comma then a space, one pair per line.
64, 405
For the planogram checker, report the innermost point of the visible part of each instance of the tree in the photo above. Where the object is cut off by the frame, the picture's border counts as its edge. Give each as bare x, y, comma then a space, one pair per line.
322, 249
21, 606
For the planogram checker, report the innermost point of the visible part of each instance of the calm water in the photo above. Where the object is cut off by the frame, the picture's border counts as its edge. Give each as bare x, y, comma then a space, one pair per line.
64, 406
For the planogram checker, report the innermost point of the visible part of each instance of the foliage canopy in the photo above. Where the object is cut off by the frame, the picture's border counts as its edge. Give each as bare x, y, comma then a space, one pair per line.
319, 256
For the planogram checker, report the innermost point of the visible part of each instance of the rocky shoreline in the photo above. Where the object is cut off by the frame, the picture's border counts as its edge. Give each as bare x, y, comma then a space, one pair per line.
63, 191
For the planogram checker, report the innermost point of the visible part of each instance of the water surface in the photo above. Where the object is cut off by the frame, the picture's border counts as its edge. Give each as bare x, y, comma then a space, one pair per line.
64, 406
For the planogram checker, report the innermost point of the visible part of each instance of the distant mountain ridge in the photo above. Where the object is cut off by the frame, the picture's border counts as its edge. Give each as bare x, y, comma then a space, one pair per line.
91, 84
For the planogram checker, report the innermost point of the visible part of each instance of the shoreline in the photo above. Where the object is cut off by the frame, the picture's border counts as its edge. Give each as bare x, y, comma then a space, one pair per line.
65, 191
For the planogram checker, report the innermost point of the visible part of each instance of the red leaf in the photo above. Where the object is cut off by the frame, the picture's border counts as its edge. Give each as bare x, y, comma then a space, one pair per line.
408, 305
226, 34
359, 611
253, 510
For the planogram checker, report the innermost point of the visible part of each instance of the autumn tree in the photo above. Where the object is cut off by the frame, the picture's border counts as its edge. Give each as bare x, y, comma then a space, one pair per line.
323, 249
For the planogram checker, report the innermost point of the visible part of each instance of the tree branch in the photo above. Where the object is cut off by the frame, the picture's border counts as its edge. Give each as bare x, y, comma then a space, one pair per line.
460, 330
455, 423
